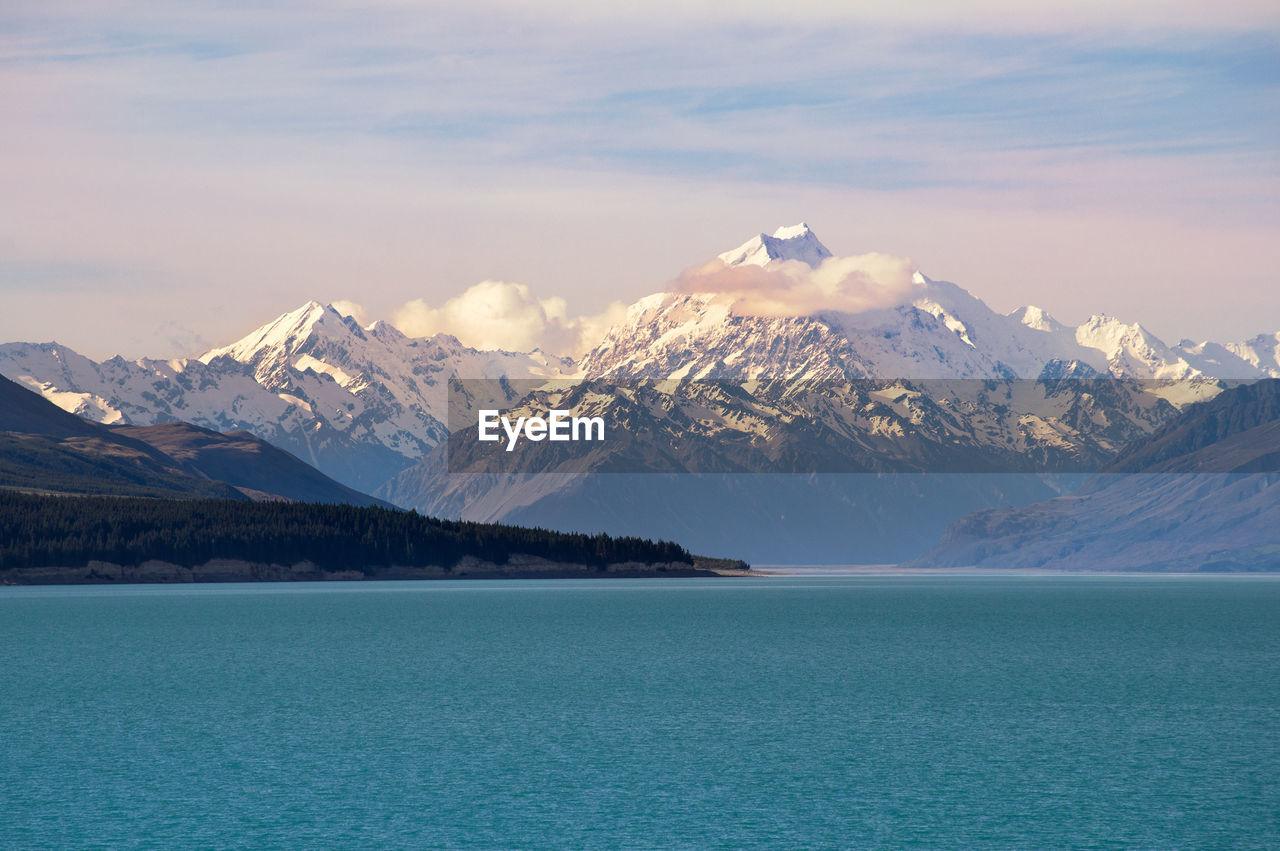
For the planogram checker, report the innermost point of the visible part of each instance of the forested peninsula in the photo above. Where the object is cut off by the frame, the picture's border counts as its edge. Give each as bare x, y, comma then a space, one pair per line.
92, 539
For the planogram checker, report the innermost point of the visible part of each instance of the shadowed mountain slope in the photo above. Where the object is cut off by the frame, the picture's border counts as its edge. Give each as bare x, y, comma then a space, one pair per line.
44, 448
1201, 494
246, 462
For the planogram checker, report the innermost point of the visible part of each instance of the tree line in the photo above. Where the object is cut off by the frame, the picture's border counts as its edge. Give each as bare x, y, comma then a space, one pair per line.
64, 531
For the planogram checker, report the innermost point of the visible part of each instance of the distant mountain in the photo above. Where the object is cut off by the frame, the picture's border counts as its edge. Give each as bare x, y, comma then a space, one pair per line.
367, 405
359, 404
797, 242
25, 412
921, 455
824, 426
871, 421
1201, 493
939, 330
44, 448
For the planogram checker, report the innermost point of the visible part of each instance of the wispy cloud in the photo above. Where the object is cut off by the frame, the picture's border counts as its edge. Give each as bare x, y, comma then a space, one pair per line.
260, 155
841, 284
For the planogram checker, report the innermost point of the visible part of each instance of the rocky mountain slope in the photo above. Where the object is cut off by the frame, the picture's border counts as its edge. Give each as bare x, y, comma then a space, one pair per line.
990, 395
360, 404
1228, 434
863, 470
1203, 493
824, 426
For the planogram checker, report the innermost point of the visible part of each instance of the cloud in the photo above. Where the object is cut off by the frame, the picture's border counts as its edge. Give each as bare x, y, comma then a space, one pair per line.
183, 340
507, 316
350, 308
791, 288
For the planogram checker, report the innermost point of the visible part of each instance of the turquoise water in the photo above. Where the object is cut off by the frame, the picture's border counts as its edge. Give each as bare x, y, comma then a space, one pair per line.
780, 711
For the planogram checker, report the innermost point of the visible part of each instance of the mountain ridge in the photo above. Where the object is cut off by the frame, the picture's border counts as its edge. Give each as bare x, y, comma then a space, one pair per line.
364, 403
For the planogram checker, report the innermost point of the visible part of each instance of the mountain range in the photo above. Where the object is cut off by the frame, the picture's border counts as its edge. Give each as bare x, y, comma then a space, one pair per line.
937, 330
357, 403
368, 405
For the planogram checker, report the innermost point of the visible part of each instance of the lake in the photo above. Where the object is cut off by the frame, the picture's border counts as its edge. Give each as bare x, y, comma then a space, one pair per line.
780, 711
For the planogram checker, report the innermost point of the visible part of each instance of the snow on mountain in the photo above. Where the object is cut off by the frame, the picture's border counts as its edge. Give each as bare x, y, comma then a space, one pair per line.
359, 403
946, 332
401, 381
943, 333
1131, 349
1037, 319
222, 395
796, 242
674, 335
939, 330
1262, 352
61, 376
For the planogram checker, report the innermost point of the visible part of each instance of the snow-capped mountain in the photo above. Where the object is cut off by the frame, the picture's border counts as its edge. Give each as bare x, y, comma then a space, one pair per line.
359, 403
938, 331
399, 382
1261, 352
796, 242
364, 402
678, 335
848, 414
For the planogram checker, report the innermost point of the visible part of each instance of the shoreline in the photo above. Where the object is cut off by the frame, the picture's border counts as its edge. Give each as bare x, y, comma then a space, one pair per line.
817, 570
222, 571
235, 570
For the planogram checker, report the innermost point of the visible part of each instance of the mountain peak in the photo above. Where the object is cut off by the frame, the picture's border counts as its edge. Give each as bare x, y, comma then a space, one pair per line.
791, 242
1036, 318
793, 231
285, 333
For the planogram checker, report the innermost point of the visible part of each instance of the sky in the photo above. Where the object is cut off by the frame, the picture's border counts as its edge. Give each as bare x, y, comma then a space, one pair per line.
175, 175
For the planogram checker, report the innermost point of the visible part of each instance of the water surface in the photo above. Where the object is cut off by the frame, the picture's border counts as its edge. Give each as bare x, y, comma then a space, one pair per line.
781, 711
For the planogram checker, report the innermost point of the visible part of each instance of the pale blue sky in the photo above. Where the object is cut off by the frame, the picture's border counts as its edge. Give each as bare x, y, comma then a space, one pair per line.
176, 173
